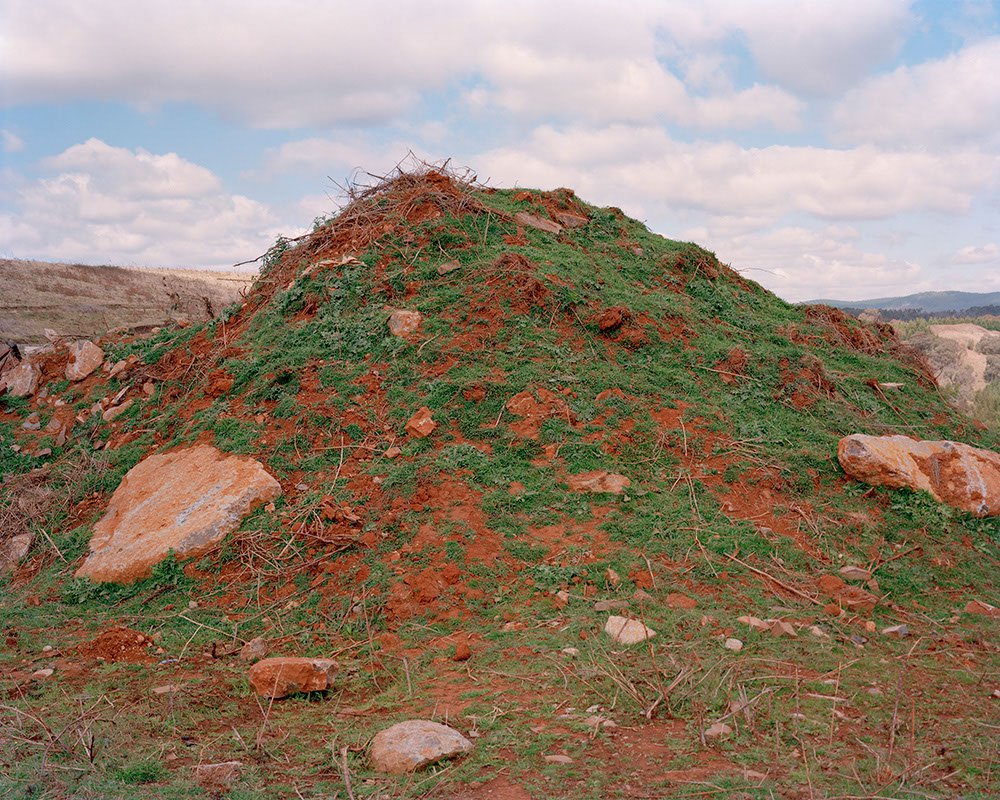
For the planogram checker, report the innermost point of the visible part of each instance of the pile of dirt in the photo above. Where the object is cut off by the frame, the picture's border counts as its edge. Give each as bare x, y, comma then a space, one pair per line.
579, 418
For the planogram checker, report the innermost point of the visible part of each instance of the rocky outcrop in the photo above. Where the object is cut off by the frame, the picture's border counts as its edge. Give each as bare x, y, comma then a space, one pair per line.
280, 677
410, 745
183, 501
956, 474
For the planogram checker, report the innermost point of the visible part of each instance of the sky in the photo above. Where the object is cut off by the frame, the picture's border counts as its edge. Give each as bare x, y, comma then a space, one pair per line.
839, 148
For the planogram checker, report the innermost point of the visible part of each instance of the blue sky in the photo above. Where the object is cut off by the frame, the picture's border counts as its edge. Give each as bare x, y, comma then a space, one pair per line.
844, 148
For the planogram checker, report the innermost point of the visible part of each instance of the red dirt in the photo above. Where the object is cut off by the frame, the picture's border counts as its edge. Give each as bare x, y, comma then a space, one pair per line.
120, 645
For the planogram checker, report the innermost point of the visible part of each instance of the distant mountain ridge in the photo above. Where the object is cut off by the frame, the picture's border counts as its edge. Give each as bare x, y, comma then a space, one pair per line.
932, 302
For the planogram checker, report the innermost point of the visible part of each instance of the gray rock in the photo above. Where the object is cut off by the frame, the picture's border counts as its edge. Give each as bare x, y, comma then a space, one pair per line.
84, 358
410, 745
22, 381
627, 631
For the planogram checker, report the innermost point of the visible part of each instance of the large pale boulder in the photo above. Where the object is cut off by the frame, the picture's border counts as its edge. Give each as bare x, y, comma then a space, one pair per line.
21, 381
961, 476
410, 745
84, 358
185, 500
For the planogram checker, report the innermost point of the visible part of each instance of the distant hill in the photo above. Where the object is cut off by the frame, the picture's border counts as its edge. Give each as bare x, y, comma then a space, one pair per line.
81, 300
930, 302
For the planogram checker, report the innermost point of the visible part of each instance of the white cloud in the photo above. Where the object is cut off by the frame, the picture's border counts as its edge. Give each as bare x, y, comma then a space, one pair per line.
103, 204
951, 100
646, 164
977, 254
10, 143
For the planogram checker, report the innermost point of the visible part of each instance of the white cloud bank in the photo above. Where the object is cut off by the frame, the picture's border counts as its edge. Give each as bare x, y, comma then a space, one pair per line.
112, 205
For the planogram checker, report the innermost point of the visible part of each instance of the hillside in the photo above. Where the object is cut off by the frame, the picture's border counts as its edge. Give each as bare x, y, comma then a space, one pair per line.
571, 418
83, 301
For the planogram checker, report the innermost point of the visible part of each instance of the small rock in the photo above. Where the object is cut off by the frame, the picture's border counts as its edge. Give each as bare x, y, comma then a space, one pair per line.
421, 425
558, 759
254, 650
410, 745
781, 628
33, 422
717, 730
462, 652
754, 622
572, 652
533, 221
393, 452
598, 481
981, 608
851, 573
448, 266
818, 632
562, 598
627, 631
47, 649
678, 600
116, 411
896, 630
170, 688
754, 775
403, 322
870, 626
612, 577
733, 644
611, 605
43, 673
280, 677
222, 775
84, 358
14, 550
148, 388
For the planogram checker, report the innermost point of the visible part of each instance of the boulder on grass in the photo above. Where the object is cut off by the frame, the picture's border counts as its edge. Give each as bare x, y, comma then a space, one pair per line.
956, 474
183, 501
84, 358
21, 381
410, 745
281, 676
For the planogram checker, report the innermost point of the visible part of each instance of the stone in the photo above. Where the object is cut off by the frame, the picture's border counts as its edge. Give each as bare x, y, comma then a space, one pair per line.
169, 688
84, 358
282, 676
782, 628
32, 422
852, 597
13, 550
717, 730
448, 266
116, 411
733, 644
850, 573
754, 622
681, 601
222, 775
627, 631
611, 605
421, 424
403, 322
534, 221
557, 759
22, 381
392, 452
956, 474
598, 481
48, 672
981, 608
408, 746
186, 501
462, 652
900, 631
570, 220
254, 650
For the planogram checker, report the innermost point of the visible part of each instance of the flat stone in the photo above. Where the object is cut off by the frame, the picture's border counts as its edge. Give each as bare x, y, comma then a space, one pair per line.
84, 358
598, 481
22, 381
186, 501
116, 411
222, 775
282, 676
754, 622
956, 474
717, 730
782, 628
421, 424
611, 605
403, 322
557, 758
48, 672
534, 221
14, 550
733, 644
900, 631
570, 220
448, 266
627, 631
408, 746
851, 573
